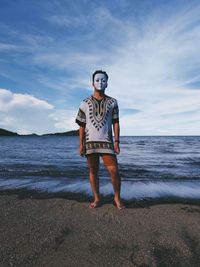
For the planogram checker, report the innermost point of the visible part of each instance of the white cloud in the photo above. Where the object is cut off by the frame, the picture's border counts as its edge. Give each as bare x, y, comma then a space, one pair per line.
153, 72
176, 116
65, 84
6, 46
71, 60
150, 68
10, 101
67, 21
27, 114
151, 63
64, 119
99, 41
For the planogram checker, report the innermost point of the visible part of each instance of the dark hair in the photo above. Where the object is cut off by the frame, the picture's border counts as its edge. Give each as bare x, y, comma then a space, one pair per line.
99, 71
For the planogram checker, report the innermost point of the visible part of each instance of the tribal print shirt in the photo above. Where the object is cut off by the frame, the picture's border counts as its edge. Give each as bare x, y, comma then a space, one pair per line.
97, 116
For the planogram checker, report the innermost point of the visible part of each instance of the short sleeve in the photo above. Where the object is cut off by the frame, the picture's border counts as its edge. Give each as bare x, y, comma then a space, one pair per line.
115, 114
81, 117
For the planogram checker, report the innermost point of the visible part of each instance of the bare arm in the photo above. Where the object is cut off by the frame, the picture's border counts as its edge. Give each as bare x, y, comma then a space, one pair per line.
116, 129
81, 139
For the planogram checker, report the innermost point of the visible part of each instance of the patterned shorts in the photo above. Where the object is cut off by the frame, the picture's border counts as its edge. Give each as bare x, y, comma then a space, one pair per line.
108, 160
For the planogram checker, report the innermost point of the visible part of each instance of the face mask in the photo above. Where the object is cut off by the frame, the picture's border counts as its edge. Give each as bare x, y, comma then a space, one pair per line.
100, 81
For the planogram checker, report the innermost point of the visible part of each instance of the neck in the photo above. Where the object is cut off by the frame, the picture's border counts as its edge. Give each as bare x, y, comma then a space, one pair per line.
99, 94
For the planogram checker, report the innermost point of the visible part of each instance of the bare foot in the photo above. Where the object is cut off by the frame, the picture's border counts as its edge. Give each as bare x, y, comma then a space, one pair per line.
118, 203
95, 204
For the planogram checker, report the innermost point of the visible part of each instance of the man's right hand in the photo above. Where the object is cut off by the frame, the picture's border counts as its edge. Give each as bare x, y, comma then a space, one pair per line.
82, 150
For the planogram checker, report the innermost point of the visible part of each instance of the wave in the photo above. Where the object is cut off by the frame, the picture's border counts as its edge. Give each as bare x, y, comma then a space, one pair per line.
21, 170
129, 190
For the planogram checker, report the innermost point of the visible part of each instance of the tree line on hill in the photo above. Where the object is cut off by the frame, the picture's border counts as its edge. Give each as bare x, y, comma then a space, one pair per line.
4, 132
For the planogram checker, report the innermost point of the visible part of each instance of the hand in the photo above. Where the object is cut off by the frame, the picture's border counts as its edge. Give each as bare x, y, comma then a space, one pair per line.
82, 150
116, 147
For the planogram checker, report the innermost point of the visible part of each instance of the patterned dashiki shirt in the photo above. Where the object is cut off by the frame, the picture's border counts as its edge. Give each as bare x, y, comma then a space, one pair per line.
97, 116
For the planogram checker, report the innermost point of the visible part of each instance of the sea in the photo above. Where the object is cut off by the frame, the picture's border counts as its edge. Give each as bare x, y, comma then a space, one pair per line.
149, 166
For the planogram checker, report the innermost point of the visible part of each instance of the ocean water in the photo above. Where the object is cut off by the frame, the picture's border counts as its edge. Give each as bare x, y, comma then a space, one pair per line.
150, 166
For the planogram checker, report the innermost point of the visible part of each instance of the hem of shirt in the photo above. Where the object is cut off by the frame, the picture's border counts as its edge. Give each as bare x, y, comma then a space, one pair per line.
100, 151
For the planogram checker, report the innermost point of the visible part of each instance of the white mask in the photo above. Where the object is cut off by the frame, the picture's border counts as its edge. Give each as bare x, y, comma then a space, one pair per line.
100, 81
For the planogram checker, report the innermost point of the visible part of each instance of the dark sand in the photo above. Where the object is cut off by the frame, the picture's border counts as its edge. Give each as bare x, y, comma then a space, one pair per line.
49, 230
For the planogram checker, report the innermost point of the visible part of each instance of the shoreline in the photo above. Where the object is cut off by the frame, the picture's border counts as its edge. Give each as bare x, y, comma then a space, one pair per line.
23, 193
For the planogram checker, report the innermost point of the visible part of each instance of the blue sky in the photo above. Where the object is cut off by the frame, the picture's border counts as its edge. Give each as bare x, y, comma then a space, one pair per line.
150, 49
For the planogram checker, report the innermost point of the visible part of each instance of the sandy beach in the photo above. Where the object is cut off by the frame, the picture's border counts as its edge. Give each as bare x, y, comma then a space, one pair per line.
46, 230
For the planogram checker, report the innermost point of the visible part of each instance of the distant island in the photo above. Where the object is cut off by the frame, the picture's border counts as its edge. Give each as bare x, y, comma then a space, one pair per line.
4, 132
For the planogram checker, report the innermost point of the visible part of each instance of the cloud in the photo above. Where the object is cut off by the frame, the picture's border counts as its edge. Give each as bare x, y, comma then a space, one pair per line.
27, 114
10, 101
64, 84
6, 46
153, 73
67, 21
89, 47
64, 119
175, 116
152, 57
65, 60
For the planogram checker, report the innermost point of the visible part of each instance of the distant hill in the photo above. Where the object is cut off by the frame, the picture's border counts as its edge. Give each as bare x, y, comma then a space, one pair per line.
4, 132
70, 133
29, 134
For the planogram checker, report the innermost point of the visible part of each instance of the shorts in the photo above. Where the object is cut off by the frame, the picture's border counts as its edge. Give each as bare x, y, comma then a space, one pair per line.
108, 160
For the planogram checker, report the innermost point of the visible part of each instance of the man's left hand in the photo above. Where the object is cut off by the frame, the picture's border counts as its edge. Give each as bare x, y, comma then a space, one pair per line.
116, 147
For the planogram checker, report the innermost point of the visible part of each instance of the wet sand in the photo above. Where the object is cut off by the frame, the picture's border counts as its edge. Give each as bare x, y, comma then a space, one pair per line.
60, 230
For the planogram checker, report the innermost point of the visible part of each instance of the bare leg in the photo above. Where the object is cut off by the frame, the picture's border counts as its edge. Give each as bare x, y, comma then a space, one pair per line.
116, 182
94, 181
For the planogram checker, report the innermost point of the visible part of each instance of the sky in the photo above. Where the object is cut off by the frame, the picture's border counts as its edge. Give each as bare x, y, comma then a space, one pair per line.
149, 48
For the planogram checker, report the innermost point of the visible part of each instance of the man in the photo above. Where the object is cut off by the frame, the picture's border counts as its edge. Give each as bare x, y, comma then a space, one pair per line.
97, 114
